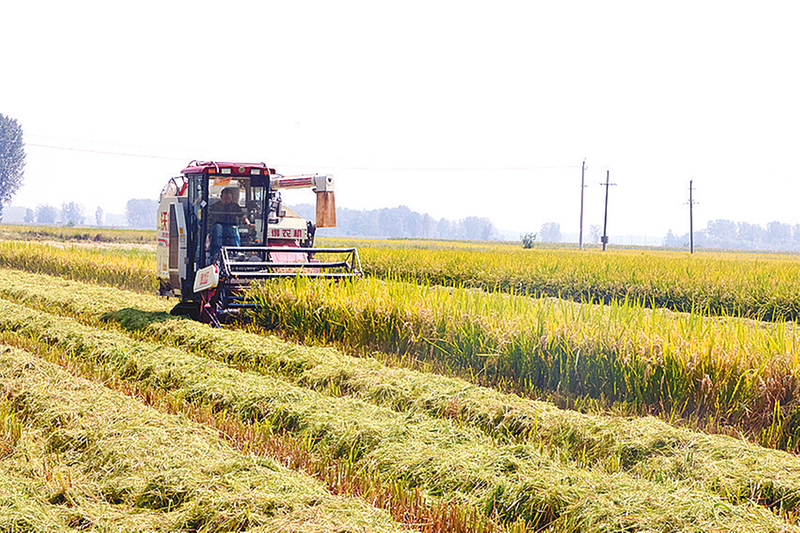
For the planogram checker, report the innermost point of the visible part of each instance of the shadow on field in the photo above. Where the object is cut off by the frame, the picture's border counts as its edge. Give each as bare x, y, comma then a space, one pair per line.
135, 319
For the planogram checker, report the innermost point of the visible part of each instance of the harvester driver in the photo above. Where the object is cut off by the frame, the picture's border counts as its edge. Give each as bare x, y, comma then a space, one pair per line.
226, 215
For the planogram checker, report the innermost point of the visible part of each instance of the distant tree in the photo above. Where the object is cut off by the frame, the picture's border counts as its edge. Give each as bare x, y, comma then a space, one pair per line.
528, 239
46, 214
444, 229
428, 226
594, 231
478, 229
12, 159
364, 223
390, 223
30, 216
98, 216
670, 240
457, 230
72, 213
402, 222
410, 222
750, 236
796, 237
550, 232
141, 213
779, 235
721, 234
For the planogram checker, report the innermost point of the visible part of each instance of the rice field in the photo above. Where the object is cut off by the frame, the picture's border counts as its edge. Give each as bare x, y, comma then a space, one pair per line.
390, 404
722, 373
77, 235
759, 286
741, 285
85, 457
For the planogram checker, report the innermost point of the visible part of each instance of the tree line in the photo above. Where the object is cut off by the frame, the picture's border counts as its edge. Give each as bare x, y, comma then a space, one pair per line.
393, 222
727, 234
139, 213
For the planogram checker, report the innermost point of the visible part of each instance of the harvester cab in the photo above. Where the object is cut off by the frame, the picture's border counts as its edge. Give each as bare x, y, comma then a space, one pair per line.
223, 225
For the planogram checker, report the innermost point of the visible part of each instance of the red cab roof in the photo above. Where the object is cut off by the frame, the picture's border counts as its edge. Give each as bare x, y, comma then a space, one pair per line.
233, 169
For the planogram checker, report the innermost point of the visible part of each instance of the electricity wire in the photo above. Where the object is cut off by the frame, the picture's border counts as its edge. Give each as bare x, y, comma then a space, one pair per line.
327, 167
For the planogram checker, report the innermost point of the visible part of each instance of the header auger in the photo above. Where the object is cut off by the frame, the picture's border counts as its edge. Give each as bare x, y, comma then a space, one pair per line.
223, 225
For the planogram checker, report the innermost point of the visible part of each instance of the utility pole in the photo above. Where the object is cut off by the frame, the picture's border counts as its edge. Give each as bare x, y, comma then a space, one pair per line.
691, 219
580, 232
604, 238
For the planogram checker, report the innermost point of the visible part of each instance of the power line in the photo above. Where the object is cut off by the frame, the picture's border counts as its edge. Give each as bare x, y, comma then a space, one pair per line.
433, 169
105, 152
327, 167
73, 140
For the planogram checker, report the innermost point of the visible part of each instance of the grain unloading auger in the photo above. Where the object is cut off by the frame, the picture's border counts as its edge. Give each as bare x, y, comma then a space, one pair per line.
223, 225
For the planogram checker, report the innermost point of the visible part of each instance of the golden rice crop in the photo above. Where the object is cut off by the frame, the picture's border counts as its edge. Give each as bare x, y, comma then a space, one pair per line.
713, 370
20, 232
649, 449
729, 371
444, 459
125, 268
710, 377
760, 286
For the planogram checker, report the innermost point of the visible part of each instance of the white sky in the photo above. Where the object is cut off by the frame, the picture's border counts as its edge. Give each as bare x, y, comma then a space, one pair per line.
451, 108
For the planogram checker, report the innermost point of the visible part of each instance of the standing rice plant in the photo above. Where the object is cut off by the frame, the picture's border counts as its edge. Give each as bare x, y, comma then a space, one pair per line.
719, 370
759, 286
129, 269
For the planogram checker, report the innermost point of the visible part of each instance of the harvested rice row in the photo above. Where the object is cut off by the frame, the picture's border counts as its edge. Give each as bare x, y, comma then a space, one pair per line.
447, 461
642, 446
88, 457
77, 298
19, 511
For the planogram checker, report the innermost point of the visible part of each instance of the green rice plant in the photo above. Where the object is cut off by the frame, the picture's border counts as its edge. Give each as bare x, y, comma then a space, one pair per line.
93, 458
447, 461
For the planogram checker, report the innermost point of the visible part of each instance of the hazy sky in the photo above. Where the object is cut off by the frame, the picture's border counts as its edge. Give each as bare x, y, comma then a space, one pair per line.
450, 108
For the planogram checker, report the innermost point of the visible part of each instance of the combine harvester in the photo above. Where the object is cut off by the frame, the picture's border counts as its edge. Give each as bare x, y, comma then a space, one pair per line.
223, 225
